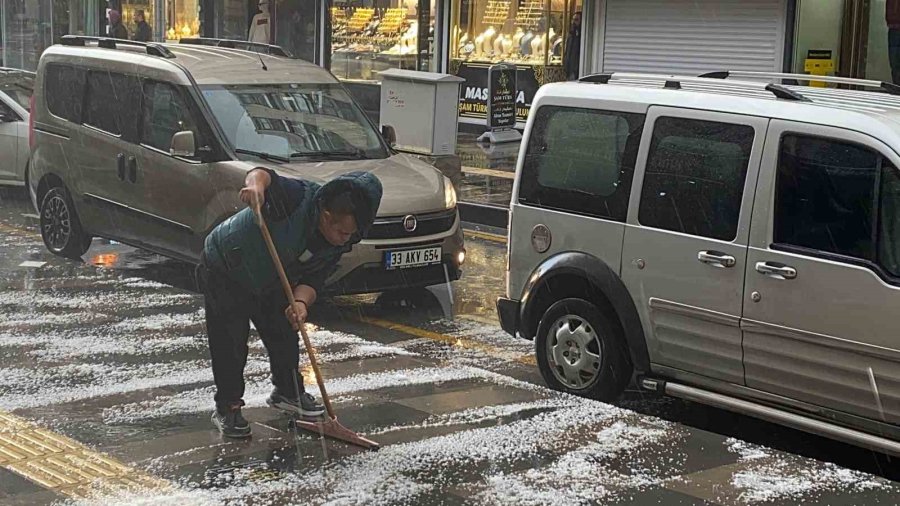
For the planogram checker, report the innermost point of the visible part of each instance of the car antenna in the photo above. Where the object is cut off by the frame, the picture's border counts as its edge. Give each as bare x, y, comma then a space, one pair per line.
261, 62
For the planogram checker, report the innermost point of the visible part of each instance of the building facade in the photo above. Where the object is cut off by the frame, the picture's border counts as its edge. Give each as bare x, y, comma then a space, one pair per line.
357, 39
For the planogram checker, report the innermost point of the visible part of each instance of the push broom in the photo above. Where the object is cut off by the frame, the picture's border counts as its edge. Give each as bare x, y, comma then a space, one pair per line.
330, 427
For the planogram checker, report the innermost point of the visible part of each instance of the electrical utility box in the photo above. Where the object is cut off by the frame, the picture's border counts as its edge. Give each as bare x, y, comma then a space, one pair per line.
423, 109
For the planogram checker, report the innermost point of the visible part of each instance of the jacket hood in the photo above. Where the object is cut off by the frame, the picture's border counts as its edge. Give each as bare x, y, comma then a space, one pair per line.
365, 192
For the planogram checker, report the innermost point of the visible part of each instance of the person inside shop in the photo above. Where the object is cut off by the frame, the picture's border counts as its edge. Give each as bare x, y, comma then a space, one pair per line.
892, 16
143, 33
572, 57
117, 29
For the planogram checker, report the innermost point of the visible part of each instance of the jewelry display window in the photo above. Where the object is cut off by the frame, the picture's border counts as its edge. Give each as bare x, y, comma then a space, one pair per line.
368, 38
528, 32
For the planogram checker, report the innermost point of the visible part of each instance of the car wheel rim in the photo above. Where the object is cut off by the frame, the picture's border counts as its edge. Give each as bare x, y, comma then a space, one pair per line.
57, 223
574, 352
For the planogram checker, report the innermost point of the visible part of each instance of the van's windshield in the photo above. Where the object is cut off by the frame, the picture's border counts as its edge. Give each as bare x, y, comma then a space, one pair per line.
294, 121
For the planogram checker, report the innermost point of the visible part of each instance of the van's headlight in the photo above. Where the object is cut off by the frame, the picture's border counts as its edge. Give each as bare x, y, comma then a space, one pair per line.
449, 194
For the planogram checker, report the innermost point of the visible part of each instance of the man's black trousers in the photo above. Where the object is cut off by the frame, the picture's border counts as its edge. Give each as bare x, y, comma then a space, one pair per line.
229, 311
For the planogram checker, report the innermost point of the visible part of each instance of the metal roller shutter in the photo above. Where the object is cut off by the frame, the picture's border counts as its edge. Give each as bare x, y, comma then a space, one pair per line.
694, 36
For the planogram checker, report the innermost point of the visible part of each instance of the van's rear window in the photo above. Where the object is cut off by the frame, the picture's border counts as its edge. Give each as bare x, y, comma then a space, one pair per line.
581, 160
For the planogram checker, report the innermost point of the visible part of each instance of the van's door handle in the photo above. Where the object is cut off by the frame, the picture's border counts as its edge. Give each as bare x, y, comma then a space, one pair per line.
776, 270
120, 166
716, 259
132, 169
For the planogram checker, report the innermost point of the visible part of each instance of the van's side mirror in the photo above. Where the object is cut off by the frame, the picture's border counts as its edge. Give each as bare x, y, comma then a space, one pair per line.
183, 145
389, 135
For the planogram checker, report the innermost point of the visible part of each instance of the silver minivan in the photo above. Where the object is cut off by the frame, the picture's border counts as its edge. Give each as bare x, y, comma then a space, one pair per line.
149, 144
732, 239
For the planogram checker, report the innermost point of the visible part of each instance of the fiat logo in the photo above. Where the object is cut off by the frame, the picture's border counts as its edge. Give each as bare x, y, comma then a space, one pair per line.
410, 223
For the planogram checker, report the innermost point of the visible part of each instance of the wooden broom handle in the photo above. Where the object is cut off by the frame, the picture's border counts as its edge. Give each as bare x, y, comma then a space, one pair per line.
289, 293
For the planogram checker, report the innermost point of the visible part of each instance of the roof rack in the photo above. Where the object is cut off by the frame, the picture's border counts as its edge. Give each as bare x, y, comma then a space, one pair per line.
152, 48
257, 47
890, 88
675, 83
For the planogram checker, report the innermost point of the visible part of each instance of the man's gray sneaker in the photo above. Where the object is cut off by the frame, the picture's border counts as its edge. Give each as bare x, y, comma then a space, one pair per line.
306, 405
231, 423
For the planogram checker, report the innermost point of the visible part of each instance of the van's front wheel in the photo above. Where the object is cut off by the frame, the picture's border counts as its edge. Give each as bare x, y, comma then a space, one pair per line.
60, 227
581, 350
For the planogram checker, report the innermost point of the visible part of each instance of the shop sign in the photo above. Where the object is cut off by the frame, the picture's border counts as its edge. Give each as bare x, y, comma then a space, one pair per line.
475, 92
502, 96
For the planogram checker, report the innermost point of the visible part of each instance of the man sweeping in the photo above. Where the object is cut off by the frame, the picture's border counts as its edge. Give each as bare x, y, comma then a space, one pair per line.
312, 226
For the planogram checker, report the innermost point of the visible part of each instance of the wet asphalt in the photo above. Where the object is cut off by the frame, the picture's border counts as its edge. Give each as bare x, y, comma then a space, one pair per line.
111, 352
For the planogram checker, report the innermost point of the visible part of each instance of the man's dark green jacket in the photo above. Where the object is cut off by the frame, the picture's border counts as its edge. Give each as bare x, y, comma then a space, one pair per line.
291, 211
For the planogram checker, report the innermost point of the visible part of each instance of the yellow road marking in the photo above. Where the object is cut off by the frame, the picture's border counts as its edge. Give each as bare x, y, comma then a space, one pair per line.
460, 342
485, 235
64, 465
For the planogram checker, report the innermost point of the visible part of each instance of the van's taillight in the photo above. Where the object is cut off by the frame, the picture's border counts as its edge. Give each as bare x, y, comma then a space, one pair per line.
31, 121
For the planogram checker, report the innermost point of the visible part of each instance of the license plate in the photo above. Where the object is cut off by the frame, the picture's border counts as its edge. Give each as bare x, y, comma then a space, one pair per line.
412, 258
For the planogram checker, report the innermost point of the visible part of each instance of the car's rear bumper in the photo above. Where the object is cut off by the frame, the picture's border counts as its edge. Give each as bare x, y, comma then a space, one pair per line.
508, 310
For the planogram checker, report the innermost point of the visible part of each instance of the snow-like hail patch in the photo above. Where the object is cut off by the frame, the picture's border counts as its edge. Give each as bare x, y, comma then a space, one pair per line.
257, 390
481, 414
585, 475
398, 473
19, 320
54, 385
163, 321
768, 476
85, 301
747, 451
71, 345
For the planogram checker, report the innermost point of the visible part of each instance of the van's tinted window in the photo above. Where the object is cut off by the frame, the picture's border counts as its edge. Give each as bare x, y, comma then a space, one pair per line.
113, 102
695, 177
581, 160
64, 91
838, 197
165, 114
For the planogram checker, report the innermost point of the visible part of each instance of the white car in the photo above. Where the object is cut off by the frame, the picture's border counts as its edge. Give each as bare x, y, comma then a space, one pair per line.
15, 97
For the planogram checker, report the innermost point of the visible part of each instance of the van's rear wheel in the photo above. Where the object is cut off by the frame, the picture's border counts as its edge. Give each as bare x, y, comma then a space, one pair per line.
60, 228
581, 350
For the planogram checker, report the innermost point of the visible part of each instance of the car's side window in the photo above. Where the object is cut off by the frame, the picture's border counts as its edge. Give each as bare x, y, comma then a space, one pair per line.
165, 114
581, 160
64, 91
694, 182
112, 101
838, 198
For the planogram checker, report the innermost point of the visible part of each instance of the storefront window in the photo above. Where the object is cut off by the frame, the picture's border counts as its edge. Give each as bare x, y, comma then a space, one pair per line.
28, 28
368, 37
154, 20
534, 34
133, 12
182, 19
851, 39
